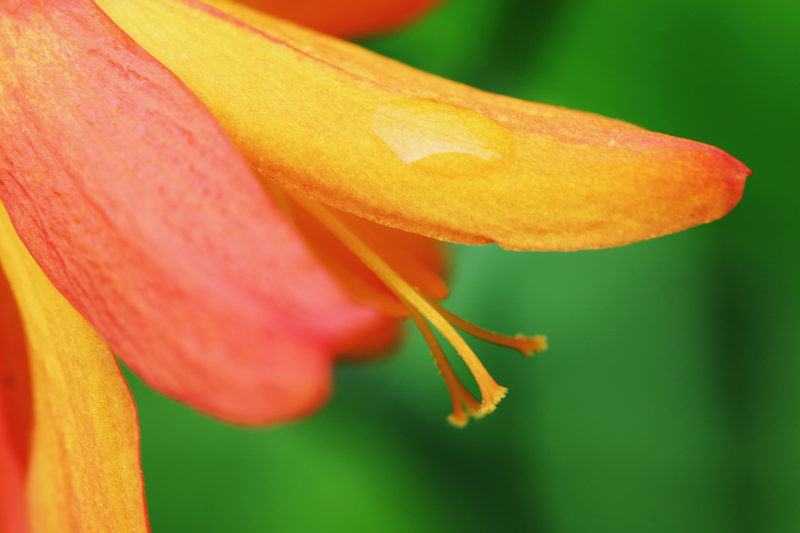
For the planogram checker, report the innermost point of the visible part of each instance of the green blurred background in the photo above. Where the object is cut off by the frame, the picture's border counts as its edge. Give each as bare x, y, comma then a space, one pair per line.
670, 398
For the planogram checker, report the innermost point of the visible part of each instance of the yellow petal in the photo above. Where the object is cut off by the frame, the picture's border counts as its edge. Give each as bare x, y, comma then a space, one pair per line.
84, 472
406, 149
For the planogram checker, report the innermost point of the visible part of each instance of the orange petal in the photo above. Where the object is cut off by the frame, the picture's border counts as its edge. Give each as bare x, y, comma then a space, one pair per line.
15, 414
417, 259
145, 217
406, 149
345, 18
84, 472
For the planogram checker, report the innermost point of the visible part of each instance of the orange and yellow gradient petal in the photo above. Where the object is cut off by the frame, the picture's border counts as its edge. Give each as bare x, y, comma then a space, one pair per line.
75, 461
406, 149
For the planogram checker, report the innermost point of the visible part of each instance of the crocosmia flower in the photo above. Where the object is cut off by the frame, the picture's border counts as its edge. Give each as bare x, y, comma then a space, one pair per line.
229, 202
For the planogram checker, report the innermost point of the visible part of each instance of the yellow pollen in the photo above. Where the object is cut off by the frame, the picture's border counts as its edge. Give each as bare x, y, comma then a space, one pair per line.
422, 309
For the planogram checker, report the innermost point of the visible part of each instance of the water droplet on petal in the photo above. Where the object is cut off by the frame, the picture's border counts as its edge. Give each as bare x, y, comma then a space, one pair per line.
442, 138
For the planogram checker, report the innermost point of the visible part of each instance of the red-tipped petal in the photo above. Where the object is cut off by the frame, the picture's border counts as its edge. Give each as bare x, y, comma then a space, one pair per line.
380, 140
345, 18
142, 213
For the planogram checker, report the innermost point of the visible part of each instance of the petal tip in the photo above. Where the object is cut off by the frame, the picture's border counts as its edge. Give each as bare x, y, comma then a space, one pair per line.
732, 174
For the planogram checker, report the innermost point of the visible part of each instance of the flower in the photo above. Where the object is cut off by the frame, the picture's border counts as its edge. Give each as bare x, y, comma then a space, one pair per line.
232, 201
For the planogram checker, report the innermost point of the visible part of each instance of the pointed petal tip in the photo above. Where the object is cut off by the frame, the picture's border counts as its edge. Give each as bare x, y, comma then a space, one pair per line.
715, 182
658, 186
736, 183
720, 178
737, 176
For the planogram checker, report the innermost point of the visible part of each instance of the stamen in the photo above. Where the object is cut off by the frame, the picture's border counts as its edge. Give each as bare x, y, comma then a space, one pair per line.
525, 345
458, 393
491, 392
423, 310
